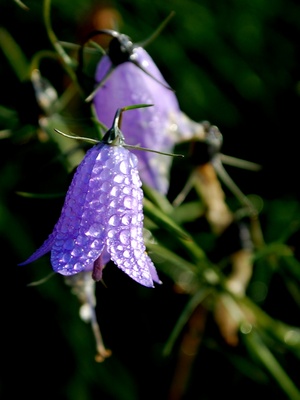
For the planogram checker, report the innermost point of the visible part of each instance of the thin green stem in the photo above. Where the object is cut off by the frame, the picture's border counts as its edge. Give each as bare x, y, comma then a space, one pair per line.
68, 63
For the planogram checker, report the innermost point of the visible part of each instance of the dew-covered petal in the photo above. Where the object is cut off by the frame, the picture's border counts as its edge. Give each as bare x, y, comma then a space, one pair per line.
45, 248
125, 242
151, 127
80, 232
78, 237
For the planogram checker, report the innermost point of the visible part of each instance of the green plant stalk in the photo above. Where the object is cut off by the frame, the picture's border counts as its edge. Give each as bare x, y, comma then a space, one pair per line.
194, 301
14, 55
276, 328
258, 348
68, 63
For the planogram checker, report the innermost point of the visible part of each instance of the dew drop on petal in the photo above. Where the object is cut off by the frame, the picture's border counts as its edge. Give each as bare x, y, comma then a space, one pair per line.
106, 186
136, 179
111, 233
126, 254
134, 232
124, 167
134, 244
137, 254
110, 162
127, 190
93, 253
95, 231
66, 257
125, 236
141, 263
113, 203
119, 178
115, 191
81, 241
127, 202
94, 204
126, 219
78, 267
95, 244
106, 173
114, 220
68, 244
133, 160
77, 251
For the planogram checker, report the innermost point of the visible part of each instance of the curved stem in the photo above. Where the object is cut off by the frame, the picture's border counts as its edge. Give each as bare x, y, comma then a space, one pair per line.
68, 63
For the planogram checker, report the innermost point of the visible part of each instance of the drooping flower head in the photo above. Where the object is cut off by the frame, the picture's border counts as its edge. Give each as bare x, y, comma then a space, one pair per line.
128, 75
102, 216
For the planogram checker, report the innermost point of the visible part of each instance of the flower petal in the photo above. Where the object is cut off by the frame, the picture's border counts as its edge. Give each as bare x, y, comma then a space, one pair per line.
124, 218
80, 232
148, 127
45, 248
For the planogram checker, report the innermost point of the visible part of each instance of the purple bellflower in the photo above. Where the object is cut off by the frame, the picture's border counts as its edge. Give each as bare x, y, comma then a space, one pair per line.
128, 75
102, 216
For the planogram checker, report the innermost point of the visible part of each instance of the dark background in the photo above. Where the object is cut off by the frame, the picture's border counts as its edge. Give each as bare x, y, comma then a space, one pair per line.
233, 63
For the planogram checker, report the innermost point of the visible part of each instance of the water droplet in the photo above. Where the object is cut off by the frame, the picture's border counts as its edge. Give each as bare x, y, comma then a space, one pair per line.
81, 241
141, 263
103, 198
78, 267
106, 186
77, 251
115, 191
125, 236
134, 232
127, 190
114, 220
134, 244
128, 202
126, 254
124, 167
111, 162
99, 215
93, 254
111, 233
65, 227
60, 236
136, 179
94, 204
95, 244
95, 231
65, 258
126, 219
140, 217
113, 203
133, 160
137, 253
106, 173
119, 178
135, 193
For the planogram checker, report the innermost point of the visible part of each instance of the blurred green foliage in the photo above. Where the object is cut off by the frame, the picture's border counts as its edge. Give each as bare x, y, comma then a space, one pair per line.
233, 63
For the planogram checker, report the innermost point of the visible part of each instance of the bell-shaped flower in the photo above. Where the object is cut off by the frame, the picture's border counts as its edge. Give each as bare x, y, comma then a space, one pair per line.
128, 75
102, 216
